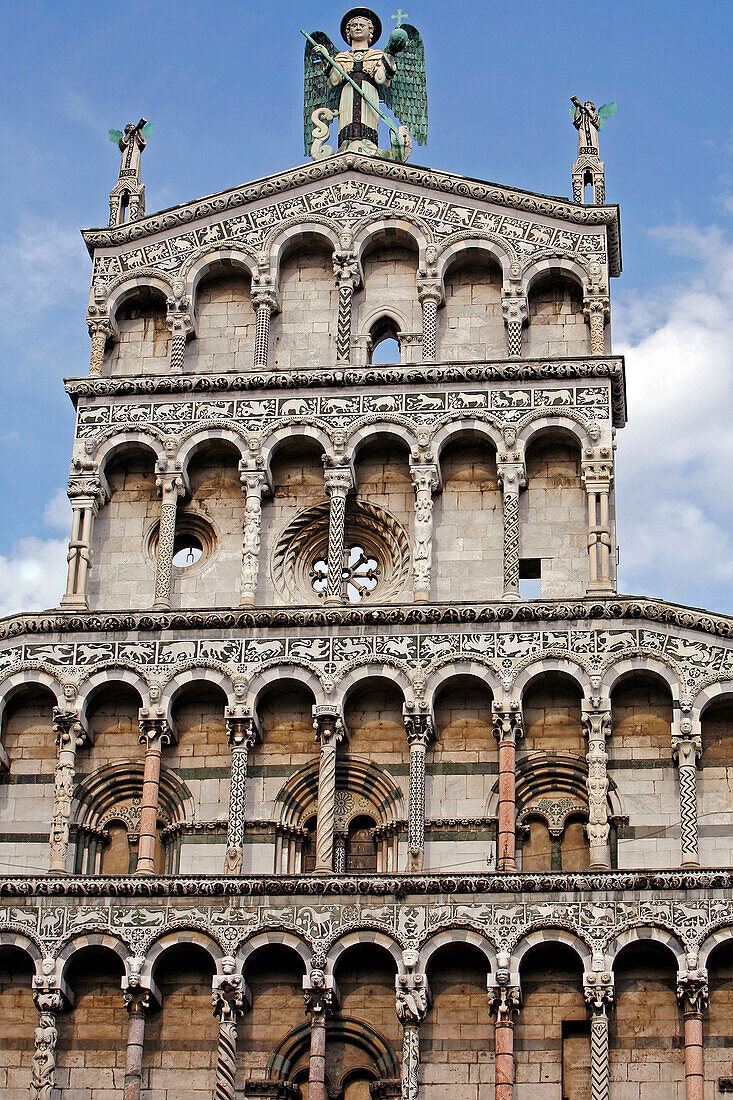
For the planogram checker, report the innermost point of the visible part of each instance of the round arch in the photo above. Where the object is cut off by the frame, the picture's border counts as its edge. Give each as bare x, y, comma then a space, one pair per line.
409, 227
216, 259
567, 666
568, 939
273, 937
450, 936
114, 674
129, 287
711, 942
479, 672
534, 427
713, 693
185, 937
73, 946
198, 439
203, 674
289, 433
564, 265
359, 936
23, 942
372, 671
285, 239
654, 666
277, 674
455, 250
641, 933
377, 431
484, 426
125, 441
27, 678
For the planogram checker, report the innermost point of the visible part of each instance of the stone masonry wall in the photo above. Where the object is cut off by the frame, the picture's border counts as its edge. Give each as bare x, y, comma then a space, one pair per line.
303, 333
122, 574
91, 1044
556, 323
470, 324
18, 1018
553, 520
143, 344
225, 336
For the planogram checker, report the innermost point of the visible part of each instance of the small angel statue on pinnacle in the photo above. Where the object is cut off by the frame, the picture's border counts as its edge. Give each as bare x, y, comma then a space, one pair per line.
351, 83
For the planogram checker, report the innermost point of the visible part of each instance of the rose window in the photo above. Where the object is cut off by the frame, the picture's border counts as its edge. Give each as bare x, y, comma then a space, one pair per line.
376, 563
359, 575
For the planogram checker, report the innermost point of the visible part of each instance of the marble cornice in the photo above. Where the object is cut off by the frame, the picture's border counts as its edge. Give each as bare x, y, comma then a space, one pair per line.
398, 886
502, 370
446, 183
55, 622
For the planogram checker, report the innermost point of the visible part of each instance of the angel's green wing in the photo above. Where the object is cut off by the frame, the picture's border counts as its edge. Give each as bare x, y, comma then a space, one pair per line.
148, 129
608, 110
115, 135
572, 109
407, 95
318, 90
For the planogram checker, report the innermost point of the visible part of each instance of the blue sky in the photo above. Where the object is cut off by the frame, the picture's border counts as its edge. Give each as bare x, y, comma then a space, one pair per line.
223, 83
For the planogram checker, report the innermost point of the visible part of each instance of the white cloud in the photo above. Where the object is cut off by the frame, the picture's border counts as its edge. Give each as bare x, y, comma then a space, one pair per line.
45, 264
57, 513
674, 458
33, 575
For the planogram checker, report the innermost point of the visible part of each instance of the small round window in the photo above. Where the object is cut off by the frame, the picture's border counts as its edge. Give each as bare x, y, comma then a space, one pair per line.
187, 550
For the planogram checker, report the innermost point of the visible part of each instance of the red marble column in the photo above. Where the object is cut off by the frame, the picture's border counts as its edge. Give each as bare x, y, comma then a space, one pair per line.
507, 730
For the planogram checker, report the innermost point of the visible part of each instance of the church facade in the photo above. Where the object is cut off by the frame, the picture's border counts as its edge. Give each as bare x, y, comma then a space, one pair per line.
341, 725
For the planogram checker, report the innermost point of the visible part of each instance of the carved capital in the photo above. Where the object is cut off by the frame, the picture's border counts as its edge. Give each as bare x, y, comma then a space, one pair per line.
429, 290
337, 480
505, 996
68, 729
229, 995
598, 990
329, 727
692, 990
418, 729
507, 723
241, 732
596, 305
264, 294
514, 308
346, 268
511, 474
424, 477
154, 731
169, 483
412, 998
318, 995
597, 469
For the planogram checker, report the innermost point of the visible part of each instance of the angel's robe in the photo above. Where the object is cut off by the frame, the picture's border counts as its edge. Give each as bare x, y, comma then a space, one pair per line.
359, 118
131, 146
587, 126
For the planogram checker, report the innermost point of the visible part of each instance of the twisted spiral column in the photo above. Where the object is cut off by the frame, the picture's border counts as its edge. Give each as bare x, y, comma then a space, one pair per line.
180, 325
155, 733
69, 736
170, 486
687, 749
419, 729
241, 735
338, 480
329, 731
228, 1001
507, 729
512, 477
597, 725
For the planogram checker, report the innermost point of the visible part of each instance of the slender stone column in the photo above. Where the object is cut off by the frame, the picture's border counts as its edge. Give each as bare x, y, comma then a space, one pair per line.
155, 733
504, 1001
430, 295
49, 1001
425, 481
180, 325
598, 993
170, 485
419, 730
597, 726
70, 735
264, 303
512, 478
692, 993
100, 330
241, 734
515, 312
86, 495
329, 731
507, 730
597, 309
346, 272
340, 839
687, 750
411, 1006
137, 1003
319, 1000
253, 484
229, 999
338, 480
597, 477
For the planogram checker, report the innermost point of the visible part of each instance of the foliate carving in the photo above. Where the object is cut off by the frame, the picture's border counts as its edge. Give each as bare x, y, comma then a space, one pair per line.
598, 990
597, 726
419, 730
264, 303
692, 990
170, 486
49, 1001
155, 732
411, 998
597, 309
241, 734
507, 723
425, 481
100, 330
70, 734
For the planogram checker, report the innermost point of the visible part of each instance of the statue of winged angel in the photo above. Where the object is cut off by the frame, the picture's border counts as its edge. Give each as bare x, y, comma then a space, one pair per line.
589, 122
352, 82
131, 145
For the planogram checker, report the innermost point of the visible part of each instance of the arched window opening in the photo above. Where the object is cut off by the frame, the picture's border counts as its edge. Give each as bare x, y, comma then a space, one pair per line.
385, 339
309, 845
361, 849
